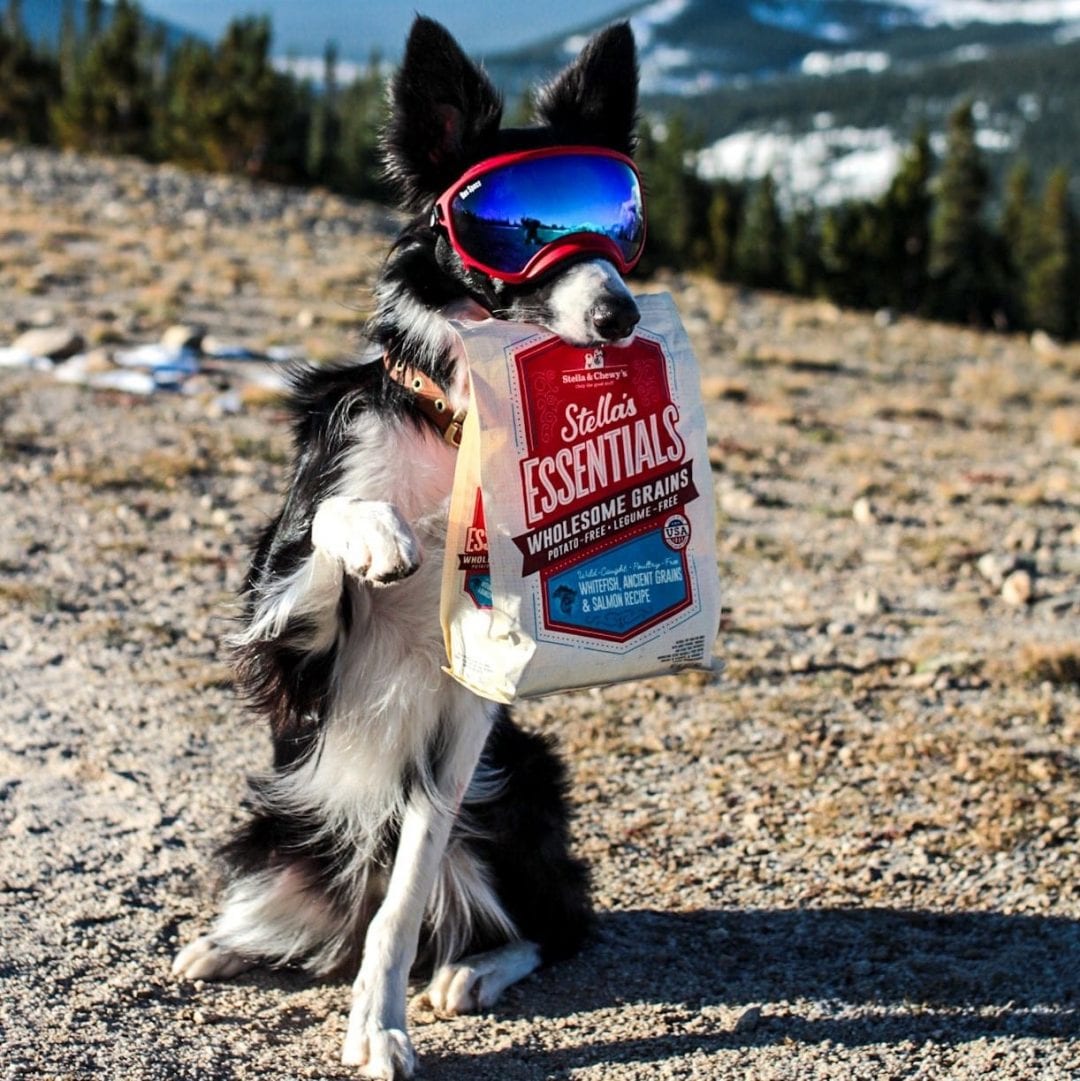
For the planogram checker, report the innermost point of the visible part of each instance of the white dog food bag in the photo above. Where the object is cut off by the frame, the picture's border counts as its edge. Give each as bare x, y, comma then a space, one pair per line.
581, 548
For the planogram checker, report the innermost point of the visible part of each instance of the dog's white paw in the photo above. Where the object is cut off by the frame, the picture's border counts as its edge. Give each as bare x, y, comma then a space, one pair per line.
475, 983
373, 541
204, 959
383, 1053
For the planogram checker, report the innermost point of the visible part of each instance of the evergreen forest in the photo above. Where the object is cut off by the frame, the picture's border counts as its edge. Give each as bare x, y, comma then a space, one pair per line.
940, 242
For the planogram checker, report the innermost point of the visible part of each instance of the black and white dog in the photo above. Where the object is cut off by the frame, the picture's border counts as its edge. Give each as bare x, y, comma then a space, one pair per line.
408, 825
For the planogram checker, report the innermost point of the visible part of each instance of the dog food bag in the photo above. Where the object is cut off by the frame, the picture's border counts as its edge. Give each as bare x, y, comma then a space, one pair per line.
581, 547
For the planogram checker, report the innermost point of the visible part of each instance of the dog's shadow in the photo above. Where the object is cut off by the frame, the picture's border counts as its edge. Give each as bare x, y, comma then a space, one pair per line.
951, 978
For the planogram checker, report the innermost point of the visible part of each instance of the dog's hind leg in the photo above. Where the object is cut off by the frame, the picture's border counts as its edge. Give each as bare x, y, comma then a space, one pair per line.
476, 982
274, 916
205, 959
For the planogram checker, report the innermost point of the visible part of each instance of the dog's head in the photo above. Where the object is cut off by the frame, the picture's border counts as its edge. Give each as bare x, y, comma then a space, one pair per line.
445, 121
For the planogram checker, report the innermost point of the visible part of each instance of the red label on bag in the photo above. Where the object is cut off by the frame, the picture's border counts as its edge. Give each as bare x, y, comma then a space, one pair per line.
604, 478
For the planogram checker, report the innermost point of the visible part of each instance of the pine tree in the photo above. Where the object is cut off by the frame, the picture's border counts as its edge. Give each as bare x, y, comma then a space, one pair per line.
677, 198
108, 104
324, 132
725, 211
228, 110
960, 268
29, 82
850, 274
803, 258
1050, 288
760, 246
94, 19
361, 108
904, 243
1017, 230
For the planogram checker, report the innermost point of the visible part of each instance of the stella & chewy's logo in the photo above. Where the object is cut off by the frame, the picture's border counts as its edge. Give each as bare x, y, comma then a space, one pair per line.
604, 483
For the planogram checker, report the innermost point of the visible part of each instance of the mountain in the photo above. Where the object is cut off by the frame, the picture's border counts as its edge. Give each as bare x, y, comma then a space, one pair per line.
826, 93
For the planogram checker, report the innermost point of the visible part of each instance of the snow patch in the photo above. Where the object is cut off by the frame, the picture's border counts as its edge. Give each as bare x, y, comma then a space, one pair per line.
823, 64
644, 24
665, 69
968, 53
312, 68
825, 166
997, 12
997, 142
801, 19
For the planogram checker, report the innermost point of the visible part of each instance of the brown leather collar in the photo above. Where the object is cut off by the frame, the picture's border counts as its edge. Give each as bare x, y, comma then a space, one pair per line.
430, 398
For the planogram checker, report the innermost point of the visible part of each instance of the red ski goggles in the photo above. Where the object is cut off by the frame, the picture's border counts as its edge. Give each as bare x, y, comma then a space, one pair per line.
517, 215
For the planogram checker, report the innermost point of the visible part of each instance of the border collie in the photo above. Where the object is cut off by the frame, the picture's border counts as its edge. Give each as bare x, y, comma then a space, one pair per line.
408, 826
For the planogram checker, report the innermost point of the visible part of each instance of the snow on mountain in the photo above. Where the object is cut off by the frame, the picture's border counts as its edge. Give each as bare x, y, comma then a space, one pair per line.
823, 64
802, 19
989, 12
825, 166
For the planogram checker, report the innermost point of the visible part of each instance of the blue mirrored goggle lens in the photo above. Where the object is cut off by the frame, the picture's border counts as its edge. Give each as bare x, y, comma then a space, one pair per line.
502, 219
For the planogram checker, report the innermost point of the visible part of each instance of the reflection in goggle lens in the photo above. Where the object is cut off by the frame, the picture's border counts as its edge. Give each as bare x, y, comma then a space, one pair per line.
505, 217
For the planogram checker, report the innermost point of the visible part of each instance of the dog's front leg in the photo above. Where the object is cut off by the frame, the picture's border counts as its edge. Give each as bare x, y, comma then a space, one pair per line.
377, 1040
372, 539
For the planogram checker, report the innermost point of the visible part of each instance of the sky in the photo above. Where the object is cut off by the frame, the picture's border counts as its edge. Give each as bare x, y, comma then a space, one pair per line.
302, 27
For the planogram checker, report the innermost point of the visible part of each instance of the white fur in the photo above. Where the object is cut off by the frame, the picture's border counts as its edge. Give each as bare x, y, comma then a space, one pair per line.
574, 295
390, 699
370, 538
420, 323
309, 592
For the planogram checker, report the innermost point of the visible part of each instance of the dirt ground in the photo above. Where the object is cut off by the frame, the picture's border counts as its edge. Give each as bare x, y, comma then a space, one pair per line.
849, 853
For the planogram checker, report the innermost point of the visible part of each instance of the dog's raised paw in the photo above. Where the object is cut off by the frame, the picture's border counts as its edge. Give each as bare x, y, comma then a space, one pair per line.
204, 959
372, 539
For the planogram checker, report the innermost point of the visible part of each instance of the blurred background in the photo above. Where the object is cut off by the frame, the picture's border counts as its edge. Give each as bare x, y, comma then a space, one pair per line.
921, 156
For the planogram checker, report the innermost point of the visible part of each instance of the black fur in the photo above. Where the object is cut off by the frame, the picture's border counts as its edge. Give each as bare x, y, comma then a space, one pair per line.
444, 117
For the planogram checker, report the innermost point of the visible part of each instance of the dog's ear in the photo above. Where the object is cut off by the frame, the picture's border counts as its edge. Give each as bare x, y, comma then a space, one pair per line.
441, 104
594, 100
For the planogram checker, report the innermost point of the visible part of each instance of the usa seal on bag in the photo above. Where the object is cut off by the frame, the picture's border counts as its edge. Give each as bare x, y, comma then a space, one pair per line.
581, 545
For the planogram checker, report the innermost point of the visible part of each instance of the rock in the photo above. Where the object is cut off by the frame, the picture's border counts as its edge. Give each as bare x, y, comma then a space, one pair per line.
183, 336
869, 602
79, 368
1022, 536
748, 1020
717, 388
306, 319
10, 357
1064, 426
44, 317
1018, 589
994, 568
56, 343
736, 501
1045, 346
863, 512
225, 350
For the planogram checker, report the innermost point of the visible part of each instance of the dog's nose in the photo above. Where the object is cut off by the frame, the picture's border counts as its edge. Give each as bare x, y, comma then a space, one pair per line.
614, 317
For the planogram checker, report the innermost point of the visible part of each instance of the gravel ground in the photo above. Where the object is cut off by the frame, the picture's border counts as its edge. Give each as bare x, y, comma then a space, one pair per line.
850, 853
